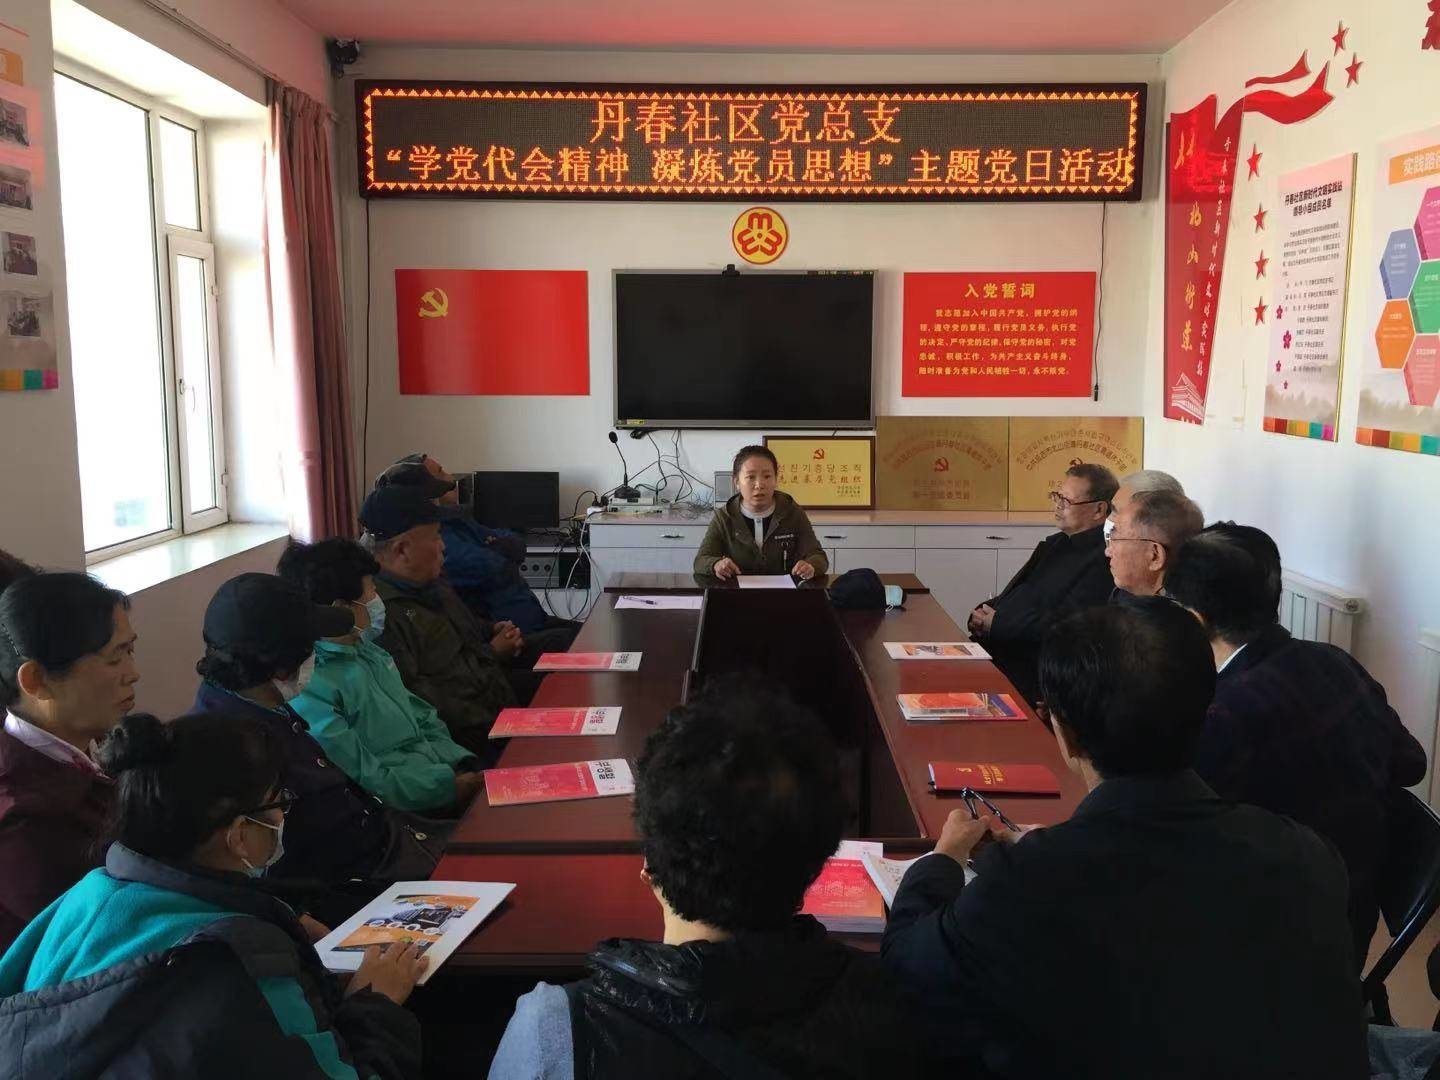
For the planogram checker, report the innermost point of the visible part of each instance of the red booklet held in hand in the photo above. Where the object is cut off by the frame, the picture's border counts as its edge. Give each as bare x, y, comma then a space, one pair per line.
556, 783
1007, 779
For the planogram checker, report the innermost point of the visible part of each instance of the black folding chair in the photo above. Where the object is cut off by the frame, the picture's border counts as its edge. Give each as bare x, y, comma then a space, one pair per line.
1409, 889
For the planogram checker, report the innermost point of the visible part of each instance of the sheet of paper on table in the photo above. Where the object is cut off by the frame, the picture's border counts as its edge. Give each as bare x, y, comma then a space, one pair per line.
766, 581
658, 603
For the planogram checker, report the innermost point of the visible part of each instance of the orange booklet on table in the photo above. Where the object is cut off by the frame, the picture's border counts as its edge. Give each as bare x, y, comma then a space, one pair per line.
956, 705
1004, 779
513, 723
557, 783
843, 897
588, 661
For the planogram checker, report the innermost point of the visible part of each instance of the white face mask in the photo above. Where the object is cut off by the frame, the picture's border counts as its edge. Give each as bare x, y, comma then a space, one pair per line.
293, 688
375, 608
1109, 527
275, 856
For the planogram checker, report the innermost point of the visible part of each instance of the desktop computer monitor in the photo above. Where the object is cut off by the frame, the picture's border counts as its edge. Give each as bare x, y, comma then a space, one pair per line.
523, 501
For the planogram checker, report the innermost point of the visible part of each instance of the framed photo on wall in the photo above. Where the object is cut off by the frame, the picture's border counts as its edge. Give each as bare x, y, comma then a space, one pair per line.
835, 472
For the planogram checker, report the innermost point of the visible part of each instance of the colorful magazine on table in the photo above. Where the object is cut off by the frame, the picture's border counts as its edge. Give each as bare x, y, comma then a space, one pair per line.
935, 650
959, 706
843, 897
436, 915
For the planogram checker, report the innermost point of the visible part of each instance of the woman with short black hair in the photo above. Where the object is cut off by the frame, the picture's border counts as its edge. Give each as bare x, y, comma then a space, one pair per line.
759, 529
67, 676
171, 954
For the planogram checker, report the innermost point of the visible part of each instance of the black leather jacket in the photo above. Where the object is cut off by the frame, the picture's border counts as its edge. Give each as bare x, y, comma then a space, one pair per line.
792, 1003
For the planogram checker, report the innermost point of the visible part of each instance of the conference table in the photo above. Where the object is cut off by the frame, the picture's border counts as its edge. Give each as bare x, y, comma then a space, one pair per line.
576, 865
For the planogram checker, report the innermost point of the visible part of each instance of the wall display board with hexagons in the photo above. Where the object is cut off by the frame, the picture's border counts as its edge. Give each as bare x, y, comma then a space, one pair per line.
1307, 307
1400, 383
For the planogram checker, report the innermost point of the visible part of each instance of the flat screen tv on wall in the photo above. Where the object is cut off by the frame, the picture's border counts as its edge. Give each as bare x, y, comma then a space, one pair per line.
767, 349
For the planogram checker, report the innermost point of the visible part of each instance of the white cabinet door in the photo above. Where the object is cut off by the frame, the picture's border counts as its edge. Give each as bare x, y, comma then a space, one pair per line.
958, 578
881, 560
1011, 561
606, 563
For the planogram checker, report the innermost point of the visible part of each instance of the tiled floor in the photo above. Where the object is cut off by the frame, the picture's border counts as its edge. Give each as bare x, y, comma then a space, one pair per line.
1410, 997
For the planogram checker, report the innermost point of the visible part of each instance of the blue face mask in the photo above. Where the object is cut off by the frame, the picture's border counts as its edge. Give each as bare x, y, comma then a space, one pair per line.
375, 608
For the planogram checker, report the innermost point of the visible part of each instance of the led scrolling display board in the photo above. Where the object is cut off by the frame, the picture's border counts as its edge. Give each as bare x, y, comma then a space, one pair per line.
900, 144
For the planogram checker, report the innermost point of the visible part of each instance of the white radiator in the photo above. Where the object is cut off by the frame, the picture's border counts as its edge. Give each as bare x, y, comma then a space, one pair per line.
1430, 702
1314, 611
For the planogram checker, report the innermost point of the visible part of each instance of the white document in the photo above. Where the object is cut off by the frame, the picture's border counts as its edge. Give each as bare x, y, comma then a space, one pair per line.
935, 650
766, 581
437, 915
888, 873
658, 603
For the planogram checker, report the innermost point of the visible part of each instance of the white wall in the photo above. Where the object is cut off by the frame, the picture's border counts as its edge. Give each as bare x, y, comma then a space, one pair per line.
568, 434
1356, 516
40, 461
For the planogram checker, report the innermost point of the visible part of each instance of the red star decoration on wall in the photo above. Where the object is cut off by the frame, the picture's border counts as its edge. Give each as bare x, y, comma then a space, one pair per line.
1260, 312
1339, 38
1260, 219
1254, 160
1353, 71
1260, 265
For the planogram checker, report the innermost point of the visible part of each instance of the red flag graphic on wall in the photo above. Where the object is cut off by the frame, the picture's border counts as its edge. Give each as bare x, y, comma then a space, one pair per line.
498, 332
1201, 154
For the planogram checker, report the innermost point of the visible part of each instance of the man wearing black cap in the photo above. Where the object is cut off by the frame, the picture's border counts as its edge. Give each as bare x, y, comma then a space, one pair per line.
260, 633
483, 564
443, 652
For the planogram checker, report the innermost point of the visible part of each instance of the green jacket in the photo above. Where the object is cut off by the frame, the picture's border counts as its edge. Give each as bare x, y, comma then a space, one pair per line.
387, 740
444, 656
788, 540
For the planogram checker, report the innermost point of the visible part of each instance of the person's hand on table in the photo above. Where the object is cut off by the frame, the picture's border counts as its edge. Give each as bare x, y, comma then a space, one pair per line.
468, 785
981, 618
961, 833
726, 569
507, 643
391, 971
803, 570
314, 929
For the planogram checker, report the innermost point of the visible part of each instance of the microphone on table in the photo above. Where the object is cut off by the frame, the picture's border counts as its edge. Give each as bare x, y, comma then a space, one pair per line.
624, 491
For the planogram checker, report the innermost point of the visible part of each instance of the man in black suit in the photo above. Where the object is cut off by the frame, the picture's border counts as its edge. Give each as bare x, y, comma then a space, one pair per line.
1161, 931
1298, 727
1067, 572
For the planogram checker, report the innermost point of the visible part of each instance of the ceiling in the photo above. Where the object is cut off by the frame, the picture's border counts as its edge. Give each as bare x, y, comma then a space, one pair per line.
973, 26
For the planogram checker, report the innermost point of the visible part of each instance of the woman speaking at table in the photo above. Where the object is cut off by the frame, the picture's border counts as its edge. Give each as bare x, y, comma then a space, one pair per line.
759, 530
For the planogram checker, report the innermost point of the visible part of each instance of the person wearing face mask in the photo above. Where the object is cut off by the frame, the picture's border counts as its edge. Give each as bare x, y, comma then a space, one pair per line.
172, 953
390, 741
67, 676
260, 633
759, 530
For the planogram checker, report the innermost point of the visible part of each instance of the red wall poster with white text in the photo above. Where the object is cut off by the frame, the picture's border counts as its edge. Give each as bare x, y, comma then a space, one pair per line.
1011, 334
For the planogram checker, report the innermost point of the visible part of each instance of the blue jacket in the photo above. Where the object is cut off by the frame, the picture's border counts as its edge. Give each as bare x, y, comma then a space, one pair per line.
147, 969
390, 742
483, 565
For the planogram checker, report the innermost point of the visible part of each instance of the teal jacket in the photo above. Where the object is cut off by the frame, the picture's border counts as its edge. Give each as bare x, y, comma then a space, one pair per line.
390, 742
77, 953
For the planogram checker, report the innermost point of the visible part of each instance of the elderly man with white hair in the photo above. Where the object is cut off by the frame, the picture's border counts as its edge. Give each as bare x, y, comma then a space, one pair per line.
1144, 482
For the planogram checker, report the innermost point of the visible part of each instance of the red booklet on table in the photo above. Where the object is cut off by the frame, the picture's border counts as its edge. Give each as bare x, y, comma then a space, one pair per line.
1005, 779
556, 783
588, 661
513, 723
844, 897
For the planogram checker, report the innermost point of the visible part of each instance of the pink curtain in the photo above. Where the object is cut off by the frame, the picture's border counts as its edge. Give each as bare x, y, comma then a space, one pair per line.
307, 318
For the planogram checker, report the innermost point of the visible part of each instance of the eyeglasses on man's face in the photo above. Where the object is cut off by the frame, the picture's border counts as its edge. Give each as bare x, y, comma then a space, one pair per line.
1065, 504
282, 802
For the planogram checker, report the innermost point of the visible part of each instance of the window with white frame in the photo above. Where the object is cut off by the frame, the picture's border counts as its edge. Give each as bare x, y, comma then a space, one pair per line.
140, 272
